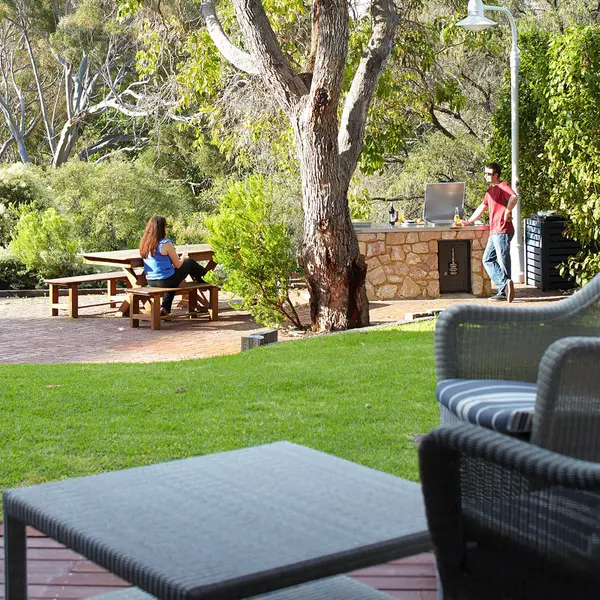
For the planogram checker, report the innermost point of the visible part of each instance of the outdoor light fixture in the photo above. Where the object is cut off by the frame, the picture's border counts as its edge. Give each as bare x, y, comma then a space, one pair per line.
477, 21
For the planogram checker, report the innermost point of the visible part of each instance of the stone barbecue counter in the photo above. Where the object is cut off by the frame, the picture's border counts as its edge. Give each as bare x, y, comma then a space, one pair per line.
403, 262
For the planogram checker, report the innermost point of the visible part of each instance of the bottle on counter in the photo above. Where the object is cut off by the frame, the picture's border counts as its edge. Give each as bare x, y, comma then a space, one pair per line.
457, 219
393, 216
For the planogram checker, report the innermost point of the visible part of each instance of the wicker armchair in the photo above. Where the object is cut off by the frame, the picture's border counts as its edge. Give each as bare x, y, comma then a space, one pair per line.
498, 367
539, 540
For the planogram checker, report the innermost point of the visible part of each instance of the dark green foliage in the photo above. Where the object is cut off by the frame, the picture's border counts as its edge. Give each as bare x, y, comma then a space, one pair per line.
572, 148
14, 274
49, 218
185, 156
560, 154
20, 186
44, 242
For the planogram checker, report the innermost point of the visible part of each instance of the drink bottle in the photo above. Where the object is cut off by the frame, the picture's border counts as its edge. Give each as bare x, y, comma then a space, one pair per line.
392, 212
457, 218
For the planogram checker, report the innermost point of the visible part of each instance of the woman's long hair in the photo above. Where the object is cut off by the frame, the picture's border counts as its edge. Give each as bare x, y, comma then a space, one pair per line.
155, 231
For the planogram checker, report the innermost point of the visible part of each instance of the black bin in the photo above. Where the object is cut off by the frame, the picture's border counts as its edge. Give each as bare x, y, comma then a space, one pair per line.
546, 248
454, 264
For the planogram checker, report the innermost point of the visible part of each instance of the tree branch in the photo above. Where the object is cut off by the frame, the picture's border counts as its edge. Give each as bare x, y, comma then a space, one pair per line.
309, 65
5, 146
396, 198
437, 124
238, 58
275, 70
134, 148
36, 77
330, 58
112, 140
364, 85
457, 116
122, 107
31, 127
16, 133
487, 93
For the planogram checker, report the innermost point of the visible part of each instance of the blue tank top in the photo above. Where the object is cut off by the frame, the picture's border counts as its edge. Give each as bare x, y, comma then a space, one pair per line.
158, 266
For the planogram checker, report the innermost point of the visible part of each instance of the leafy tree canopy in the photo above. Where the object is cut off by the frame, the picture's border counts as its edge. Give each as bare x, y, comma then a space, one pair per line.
560, 156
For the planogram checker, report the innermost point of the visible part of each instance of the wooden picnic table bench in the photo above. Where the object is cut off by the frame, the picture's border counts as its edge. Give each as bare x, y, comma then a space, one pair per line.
73, 284
153, 295
129, 260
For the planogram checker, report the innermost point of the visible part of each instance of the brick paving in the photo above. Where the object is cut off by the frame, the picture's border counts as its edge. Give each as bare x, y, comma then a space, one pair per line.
30, 335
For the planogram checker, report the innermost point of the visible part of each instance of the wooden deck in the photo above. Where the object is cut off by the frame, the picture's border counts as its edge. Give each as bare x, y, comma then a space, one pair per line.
58, 573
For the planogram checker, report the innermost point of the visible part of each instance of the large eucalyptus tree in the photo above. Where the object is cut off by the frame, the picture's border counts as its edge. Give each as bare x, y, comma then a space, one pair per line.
328, 136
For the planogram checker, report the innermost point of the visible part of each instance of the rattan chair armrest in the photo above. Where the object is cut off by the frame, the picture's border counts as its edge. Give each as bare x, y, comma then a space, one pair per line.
567, 413
441, 449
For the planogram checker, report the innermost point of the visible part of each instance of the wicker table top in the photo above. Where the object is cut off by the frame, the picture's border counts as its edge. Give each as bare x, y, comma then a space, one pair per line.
228, 525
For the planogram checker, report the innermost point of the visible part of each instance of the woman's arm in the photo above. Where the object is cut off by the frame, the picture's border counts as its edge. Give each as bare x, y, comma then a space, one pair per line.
167, 249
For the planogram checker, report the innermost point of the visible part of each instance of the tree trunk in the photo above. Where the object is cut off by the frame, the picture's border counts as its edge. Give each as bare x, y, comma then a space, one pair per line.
16, 133
328, 151
68, 137
334, 269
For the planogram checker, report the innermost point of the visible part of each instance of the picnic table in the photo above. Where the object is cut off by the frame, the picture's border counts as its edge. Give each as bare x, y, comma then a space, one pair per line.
130, 260
223, 526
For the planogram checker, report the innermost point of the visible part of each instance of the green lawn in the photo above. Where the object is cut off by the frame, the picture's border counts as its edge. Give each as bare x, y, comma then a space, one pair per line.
361, 396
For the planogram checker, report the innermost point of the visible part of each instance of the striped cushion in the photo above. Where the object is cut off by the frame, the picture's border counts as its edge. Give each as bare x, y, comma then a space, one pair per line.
505, 406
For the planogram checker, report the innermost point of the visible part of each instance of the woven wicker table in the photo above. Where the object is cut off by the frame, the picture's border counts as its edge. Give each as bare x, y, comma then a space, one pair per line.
226, 526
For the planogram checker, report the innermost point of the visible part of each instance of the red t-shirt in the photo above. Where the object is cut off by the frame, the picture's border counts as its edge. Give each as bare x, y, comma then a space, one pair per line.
496, 199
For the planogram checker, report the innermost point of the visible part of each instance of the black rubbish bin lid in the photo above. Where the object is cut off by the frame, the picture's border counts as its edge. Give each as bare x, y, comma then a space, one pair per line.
548, 215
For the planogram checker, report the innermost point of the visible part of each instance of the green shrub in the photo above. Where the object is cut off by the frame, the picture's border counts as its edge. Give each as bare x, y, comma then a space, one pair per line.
436, 158
8, 220
254, 244
110, 203
43, 241
188, 229
558, 142
14, 274
572, 147
360, 203
20, 185
23, 184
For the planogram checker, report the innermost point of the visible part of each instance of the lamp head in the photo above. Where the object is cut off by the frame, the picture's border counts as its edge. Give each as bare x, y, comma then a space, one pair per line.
475, 21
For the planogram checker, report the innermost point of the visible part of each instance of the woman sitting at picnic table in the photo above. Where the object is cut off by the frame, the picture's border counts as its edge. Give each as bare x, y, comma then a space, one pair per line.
162, 265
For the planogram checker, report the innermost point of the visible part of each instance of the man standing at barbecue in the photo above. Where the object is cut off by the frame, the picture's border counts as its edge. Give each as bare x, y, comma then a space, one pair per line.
500, 199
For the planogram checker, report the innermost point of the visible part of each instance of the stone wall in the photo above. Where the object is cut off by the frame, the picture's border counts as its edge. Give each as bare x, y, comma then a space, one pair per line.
403, 264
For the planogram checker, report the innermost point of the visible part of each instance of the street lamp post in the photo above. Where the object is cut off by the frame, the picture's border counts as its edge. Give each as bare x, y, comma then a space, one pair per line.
476, 21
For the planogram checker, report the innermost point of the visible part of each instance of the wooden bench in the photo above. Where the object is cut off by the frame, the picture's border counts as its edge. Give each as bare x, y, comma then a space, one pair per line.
73, 284
153, 295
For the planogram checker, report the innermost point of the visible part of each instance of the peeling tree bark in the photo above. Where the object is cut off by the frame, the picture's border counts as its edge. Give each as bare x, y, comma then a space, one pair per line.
327, 149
